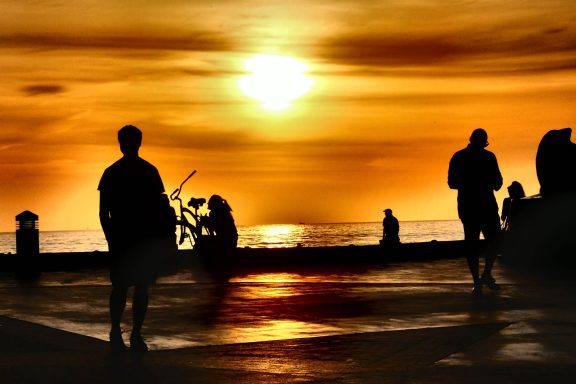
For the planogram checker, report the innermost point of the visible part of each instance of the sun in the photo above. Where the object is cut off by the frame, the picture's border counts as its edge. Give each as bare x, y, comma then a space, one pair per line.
275, 81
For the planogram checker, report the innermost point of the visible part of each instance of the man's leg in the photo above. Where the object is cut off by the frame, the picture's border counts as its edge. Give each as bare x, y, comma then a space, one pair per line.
472, 237
117, 303
139, 309
491, 233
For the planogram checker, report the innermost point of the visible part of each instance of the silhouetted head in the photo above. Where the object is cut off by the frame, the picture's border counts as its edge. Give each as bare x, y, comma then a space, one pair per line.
130, 139
479, 138
388, 212
217, 202
515, 190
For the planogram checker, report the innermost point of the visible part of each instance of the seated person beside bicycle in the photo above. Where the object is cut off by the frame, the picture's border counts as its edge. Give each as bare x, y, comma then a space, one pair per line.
220, 222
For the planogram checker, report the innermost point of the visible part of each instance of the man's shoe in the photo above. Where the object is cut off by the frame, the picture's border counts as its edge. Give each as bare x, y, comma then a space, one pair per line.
490, 282
477, 290
137, 343
116, 340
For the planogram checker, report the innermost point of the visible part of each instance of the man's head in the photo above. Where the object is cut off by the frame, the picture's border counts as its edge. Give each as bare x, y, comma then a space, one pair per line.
388, 212
479, 138
130, 139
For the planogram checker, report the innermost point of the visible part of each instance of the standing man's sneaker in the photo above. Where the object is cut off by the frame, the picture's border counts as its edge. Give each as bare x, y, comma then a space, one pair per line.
477, 290
116, 341
137, 343
490, 282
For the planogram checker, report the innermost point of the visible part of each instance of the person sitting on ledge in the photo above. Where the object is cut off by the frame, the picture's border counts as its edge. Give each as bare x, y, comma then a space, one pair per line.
391, 228
515, 192
221, 223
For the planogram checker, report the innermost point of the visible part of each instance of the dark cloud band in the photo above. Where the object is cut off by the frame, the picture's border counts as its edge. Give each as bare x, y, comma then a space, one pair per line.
43, 89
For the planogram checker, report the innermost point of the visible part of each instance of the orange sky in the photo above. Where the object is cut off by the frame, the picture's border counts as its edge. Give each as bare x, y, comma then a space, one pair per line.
398, 87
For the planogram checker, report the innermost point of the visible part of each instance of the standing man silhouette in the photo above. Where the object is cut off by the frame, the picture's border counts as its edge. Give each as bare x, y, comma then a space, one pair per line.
474, 172
130, 194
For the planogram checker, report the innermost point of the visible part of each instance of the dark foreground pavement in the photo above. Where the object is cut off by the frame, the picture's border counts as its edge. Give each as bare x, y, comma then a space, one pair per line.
284, 331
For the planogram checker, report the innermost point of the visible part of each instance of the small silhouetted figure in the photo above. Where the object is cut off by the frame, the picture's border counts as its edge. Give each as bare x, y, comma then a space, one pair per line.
474, 172
131, 193
391, 228
515, 192
221, 223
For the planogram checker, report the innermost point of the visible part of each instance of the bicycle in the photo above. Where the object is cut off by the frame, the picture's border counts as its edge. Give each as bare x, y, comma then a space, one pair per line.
207, 253
189, 230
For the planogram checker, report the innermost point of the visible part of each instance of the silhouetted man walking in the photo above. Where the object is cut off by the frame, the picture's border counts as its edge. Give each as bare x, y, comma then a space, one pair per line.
474, 172
130, 194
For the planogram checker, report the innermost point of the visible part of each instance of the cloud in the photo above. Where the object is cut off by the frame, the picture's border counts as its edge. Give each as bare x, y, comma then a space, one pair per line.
381, 50
519, 67
457, 51
197, 138
19, 125
43, 89
243, 151
196, 41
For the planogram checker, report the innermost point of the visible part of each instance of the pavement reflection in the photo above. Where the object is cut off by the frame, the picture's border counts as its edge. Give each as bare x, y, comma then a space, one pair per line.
274, 306
407, 322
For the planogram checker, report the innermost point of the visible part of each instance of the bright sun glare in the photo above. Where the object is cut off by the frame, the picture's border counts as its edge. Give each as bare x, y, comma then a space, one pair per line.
275, 81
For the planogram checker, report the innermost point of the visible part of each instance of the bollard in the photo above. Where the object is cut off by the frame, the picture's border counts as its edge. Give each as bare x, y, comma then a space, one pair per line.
27, 245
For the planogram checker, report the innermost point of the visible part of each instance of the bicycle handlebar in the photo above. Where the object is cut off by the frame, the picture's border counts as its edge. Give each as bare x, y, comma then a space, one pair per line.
187, 229
174, 195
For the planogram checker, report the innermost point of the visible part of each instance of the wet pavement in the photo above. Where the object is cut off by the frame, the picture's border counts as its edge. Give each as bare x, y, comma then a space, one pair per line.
406, 322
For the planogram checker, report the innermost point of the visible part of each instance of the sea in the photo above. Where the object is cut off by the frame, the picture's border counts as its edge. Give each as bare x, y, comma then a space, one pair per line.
262, 236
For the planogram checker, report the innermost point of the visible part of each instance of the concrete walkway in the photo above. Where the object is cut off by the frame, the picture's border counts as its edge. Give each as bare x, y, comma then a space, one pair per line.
285, 328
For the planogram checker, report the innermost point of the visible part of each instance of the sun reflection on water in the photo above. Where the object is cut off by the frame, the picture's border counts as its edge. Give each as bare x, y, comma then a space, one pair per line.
267, 330
270, 292
272, 277
278, 235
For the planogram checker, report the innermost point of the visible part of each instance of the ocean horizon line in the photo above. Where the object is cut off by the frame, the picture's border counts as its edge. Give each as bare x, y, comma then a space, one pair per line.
263, 235
259, 225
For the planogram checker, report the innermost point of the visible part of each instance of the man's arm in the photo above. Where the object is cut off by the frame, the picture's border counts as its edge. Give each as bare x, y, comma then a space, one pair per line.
498, 181
454, 173
104, 213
